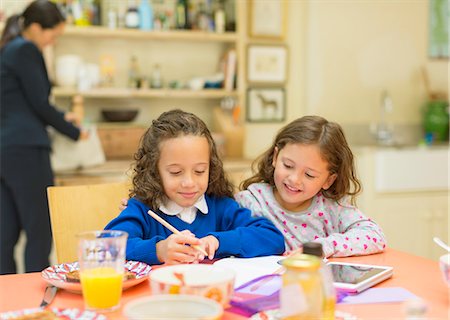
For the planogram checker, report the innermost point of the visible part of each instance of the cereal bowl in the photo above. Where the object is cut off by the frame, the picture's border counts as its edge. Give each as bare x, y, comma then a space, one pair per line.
444, 263
173, 307
203, 280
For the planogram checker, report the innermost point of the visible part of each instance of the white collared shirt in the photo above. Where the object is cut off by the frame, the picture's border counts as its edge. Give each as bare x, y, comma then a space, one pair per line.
187, 214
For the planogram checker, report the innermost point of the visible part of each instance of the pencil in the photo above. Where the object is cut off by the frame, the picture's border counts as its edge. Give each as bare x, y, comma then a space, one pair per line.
173, 229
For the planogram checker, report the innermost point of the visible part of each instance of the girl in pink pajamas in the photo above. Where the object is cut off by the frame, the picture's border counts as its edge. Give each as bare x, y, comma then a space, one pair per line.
306, 185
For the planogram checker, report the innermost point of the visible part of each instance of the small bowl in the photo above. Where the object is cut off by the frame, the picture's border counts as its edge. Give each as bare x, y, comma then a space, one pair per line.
444, 263
119, 115
203, 280
173, 307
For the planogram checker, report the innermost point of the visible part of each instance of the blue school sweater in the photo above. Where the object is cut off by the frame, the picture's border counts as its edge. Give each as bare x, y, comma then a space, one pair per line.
239, 233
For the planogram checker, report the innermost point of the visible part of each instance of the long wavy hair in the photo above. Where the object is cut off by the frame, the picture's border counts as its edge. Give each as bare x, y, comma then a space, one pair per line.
147, 183
42, 12
334, 149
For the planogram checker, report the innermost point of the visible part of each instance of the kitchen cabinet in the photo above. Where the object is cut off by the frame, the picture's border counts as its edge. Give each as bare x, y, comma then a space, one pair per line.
409, 217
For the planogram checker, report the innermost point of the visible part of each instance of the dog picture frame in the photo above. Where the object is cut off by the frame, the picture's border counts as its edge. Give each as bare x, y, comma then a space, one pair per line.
266, 104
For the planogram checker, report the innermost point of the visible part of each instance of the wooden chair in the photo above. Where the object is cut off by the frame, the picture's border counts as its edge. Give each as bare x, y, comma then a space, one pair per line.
74, 209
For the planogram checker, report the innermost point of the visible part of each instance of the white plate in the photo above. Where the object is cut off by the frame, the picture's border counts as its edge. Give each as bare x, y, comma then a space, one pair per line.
56, 275
68, 314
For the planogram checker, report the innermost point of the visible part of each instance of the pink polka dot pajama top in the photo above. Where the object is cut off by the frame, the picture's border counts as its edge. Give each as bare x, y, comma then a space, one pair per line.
341, 229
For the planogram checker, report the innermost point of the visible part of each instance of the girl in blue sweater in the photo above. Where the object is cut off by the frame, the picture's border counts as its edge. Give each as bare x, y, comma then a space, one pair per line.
179, 175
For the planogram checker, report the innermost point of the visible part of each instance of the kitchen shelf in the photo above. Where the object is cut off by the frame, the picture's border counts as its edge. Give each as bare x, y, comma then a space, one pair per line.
144, 93
179, 35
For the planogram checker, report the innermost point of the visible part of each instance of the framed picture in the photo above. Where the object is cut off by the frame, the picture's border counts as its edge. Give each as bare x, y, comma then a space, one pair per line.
267, 19
265, 104
267, 64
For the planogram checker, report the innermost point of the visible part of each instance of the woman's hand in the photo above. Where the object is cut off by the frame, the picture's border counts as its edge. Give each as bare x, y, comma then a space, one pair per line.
177, 248
211, 244
73, 117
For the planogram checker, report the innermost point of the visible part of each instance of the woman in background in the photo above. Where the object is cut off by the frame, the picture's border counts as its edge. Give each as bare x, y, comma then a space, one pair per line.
25, 114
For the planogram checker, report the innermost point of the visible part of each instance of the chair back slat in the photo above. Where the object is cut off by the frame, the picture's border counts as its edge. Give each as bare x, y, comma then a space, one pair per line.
74, 209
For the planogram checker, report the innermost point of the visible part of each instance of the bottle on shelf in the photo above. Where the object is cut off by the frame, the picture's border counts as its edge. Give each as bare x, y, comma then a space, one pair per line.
132, 16
219, 18
134, 80
202, 19
112, 18
156, 80
145, 15
181, 14
96, 13
79, 14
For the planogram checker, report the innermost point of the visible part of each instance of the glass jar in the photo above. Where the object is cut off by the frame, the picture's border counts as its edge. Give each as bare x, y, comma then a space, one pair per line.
436, 122
315, 249
302, 294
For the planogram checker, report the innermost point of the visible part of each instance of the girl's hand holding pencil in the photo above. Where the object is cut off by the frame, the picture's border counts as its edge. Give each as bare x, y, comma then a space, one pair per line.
178, 248
174, 249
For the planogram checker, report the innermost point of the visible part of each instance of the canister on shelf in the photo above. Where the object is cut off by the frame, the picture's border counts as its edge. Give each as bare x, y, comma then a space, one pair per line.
302, 294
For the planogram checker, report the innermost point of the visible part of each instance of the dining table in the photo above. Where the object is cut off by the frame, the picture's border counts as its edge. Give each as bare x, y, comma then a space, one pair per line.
420, 276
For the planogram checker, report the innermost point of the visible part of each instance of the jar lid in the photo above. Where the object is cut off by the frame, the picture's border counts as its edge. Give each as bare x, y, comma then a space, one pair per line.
302, 261
313, 248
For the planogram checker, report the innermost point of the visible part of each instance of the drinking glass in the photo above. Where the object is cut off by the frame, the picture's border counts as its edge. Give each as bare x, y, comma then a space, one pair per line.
101, 255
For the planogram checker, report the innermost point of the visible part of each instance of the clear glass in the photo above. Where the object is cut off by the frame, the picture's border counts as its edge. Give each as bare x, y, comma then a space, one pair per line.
101, 255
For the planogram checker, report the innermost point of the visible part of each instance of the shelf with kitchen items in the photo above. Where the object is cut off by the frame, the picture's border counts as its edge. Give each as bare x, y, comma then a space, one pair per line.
169, 35
61, 92
219, 44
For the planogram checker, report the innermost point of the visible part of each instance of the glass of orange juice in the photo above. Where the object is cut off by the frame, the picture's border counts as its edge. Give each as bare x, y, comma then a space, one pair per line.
101, 256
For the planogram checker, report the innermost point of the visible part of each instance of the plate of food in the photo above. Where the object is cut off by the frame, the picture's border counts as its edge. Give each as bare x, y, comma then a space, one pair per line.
51, 313
66, 275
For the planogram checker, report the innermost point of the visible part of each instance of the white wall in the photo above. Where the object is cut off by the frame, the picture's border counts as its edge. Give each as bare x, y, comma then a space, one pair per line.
344, 53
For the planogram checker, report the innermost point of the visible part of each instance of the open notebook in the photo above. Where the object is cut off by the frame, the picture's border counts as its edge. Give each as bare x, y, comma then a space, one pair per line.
247, 269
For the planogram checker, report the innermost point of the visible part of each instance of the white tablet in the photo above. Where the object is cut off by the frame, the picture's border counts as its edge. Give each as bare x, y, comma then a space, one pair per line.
353, 277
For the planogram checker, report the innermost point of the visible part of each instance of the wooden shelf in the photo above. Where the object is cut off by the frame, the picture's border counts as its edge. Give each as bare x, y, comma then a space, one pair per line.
144, 93
179, 35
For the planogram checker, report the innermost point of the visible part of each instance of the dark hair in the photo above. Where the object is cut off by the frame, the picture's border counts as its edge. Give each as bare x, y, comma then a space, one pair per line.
42, 12
330, 139
147, 184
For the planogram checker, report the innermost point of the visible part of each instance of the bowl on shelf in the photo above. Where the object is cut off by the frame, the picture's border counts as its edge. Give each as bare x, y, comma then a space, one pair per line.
173, 307
119, 115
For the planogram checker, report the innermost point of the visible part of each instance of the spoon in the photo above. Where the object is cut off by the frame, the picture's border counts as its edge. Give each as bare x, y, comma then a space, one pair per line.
441, 243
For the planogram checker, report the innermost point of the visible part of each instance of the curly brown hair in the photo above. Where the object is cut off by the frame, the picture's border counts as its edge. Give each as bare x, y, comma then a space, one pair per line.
147, 183
330, 139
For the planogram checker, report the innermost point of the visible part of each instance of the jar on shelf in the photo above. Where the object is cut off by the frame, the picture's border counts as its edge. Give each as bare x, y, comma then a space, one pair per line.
436, 120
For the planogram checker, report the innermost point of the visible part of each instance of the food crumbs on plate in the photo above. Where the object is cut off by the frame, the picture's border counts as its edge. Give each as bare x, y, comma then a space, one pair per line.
74, 276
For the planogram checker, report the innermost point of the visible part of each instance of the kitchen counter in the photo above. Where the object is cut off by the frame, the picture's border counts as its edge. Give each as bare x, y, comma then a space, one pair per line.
121, 170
